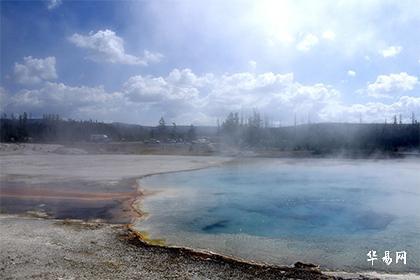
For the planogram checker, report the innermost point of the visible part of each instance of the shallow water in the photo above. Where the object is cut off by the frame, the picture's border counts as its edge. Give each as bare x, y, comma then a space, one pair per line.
329, 212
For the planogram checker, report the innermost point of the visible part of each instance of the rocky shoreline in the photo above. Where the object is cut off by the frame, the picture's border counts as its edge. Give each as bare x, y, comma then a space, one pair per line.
39, 248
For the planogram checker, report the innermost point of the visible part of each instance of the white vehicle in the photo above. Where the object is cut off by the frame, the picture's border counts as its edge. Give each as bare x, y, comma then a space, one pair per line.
99, 138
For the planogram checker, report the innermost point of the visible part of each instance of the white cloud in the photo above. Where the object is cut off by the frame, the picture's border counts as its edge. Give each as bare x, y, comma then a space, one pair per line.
307, 42
391, 51
181, 95
386, 85
68, 101
52, 4
186, 97
151, 57
35, 70
252, 64
105, 45
372, 111
203, 98
156, 89
328, 35
351, 73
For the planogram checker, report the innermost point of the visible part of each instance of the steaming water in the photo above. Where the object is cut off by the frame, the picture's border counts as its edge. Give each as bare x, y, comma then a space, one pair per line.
328, 212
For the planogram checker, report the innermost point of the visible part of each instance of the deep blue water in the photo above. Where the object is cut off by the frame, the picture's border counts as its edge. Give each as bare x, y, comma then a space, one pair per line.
331, 212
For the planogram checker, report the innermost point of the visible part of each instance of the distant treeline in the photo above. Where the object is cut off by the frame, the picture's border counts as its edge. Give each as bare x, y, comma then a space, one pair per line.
52, 129
320, 137
250, 134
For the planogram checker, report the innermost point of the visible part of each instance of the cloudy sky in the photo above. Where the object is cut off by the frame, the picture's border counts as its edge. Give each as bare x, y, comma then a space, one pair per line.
195, 61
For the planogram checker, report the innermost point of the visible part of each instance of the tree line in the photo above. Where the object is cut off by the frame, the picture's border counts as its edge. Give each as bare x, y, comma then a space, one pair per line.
255, 133
251, 133
51, 128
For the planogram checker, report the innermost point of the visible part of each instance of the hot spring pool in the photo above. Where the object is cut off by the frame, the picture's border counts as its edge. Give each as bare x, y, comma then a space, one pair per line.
329, 212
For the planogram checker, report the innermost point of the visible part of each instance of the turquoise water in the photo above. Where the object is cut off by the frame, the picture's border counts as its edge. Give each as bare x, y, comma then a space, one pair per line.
329, 212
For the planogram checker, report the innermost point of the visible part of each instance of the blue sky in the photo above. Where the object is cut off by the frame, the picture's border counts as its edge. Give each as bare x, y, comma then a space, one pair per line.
195, 61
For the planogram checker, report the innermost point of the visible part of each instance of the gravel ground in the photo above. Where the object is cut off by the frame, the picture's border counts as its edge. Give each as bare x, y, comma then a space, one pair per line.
33, 248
